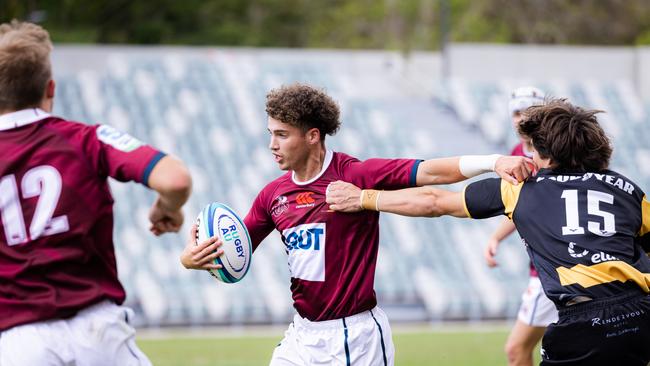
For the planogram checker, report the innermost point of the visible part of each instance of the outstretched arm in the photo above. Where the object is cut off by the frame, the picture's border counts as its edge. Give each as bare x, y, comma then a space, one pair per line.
419, 201
513, 169
171, 179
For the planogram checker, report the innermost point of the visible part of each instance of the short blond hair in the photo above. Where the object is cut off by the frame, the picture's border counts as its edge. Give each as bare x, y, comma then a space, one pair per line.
25, 67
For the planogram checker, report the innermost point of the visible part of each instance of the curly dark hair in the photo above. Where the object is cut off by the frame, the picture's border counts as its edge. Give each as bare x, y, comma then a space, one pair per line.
570, 136
305, 107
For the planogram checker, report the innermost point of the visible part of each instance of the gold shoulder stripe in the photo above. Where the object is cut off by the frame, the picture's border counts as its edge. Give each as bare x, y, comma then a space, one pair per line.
510, 196
465, 204
606, 272
645, 216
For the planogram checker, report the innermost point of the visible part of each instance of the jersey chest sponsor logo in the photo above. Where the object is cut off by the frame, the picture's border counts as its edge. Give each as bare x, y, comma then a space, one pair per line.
617, 182
577, 252
305, 199
119, 140
305, 244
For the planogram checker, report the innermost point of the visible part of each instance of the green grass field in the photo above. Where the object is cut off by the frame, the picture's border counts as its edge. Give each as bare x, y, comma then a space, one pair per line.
440, 348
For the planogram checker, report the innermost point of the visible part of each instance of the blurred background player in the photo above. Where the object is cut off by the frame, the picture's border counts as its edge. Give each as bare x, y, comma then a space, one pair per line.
536, 310
332, 256
584, 228
59, 292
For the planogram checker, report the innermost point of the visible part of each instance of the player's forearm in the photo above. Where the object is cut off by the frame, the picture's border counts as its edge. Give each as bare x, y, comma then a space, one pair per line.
504, 229
408, 202
454, 169
171, 179
419, 202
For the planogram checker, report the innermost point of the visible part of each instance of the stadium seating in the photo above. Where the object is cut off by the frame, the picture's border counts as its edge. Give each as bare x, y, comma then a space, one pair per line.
207, 107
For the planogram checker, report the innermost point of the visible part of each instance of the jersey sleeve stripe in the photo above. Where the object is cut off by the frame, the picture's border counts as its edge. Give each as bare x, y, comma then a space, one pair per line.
645, 216
510, 196
465, 204
149, 168
414, 173
588, 276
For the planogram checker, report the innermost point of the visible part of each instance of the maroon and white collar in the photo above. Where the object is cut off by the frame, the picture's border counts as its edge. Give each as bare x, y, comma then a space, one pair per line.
20, 118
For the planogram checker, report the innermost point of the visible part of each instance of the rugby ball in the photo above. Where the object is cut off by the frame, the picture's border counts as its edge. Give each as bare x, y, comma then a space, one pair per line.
217, 219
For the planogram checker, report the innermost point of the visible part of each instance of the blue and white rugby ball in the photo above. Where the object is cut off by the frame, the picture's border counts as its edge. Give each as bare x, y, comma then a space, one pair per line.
217, 219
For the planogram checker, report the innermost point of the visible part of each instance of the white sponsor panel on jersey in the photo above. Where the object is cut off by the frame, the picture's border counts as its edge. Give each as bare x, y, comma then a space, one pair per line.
118, 139
305, 245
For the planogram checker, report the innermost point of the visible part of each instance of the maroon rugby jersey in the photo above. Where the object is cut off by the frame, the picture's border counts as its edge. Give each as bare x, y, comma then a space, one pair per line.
520, 151
331, 255
56, 237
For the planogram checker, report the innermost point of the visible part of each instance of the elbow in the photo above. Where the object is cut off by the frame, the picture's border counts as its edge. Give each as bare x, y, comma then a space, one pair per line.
179, 183
171, 178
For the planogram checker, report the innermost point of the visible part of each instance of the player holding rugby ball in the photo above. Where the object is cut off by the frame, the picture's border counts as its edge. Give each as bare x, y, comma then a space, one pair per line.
332, 256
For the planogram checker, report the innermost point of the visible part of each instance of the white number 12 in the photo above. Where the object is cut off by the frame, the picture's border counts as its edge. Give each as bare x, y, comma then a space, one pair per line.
43, 182
593, 208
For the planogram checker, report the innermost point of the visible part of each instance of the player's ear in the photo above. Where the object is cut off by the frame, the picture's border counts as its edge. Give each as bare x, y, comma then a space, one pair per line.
49, 89
51, 85
313, 136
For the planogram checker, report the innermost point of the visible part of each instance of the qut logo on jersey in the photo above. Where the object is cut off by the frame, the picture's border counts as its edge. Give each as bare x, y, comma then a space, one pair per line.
305, 245
304, 239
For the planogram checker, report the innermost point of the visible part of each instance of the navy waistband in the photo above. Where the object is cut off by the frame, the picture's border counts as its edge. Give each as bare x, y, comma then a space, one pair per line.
600, 303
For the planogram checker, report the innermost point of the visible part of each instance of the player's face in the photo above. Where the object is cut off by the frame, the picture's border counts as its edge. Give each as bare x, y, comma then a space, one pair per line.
539, 162
288, 144
516, 119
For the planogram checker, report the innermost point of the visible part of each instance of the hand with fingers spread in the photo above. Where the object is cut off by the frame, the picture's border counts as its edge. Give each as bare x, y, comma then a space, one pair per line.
201, 255
343, 197
514, 169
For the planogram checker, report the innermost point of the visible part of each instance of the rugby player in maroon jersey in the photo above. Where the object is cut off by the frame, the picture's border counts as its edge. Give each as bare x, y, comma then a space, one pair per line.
60, 297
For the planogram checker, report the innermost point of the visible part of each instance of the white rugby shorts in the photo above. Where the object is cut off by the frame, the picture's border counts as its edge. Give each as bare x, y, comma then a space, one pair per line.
363, 339
536, 309
99, 335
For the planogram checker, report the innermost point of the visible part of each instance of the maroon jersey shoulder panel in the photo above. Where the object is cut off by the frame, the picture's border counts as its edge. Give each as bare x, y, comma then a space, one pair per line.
378, 173
259, 220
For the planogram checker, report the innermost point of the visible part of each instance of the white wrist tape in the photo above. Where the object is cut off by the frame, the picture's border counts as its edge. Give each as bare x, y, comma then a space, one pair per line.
473, 165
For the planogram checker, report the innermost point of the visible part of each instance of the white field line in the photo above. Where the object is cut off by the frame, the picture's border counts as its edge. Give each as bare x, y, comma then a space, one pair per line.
278, 330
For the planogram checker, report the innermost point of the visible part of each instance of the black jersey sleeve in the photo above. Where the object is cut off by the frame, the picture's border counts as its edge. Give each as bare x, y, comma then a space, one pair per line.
483, 198
491, 197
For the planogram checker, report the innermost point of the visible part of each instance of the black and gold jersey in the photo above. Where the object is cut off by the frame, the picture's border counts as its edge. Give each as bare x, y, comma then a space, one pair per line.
587, 234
